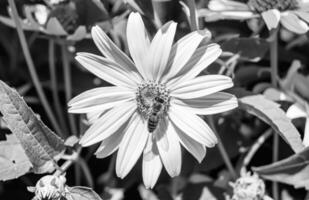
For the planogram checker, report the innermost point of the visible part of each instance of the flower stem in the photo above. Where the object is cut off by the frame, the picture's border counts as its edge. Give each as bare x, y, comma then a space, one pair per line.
274, 75
222, 149
256, 146
68, 84
54, 86
65, 166
193, 15
31, 68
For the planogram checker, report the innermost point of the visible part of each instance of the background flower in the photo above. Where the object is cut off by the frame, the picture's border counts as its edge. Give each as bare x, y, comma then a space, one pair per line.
292, 14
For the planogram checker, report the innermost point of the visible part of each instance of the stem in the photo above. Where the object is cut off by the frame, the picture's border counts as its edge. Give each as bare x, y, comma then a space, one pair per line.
222, 149
65, 166
274, 56
256, 146
82, 163
193, 15
31, 68
68, 84
54, 86
274, 74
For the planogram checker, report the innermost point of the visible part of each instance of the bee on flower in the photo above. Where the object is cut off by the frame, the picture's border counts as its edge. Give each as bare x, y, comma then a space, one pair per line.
292, 14
55, 18
152, 109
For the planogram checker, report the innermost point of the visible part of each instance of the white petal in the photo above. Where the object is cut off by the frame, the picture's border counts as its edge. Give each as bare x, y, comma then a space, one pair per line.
290, 21
182, 51
271, 18
192, 125
303, 15
200, 60
201, 86
111, 51
296, 111
195, 148
170, 156
138, 41
160, 49
306, 133
131, 146
210, 16
100, 99
223, 5
94, 116
152, 164
209, 104
108, 124
110, 144
107, 70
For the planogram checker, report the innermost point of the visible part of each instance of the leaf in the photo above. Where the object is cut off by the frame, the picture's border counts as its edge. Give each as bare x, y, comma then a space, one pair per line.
144, 7
252, 49
13, 160
271, 113
293, 170
82, 193
41, 145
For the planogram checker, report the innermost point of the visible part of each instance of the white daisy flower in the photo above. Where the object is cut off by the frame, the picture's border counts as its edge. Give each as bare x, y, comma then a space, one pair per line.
292, 14
153, 107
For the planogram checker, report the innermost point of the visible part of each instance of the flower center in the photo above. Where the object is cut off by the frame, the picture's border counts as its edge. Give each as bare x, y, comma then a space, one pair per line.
152, 98
264, 5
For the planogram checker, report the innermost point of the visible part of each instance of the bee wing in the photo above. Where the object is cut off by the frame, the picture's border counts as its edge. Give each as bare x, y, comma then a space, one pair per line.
151, 150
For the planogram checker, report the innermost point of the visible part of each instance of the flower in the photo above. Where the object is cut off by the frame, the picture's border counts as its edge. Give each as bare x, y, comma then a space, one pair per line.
50, 187
153, 107
292, 14
249, 187
60, 20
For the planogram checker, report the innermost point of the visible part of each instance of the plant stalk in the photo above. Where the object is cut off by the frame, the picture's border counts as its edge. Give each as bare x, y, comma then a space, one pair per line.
274, 78
68, 84
32, 69
222, 149
193, 15
54, 85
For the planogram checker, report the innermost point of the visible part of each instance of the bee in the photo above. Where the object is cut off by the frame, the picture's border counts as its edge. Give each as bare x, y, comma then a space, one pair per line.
155, 115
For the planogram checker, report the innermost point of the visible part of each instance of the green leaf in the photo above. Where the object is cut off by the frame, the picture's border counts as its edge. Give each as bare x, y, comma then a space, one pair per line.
82, 193
293, 170
271, 113
41, 145
13, 160
252, 49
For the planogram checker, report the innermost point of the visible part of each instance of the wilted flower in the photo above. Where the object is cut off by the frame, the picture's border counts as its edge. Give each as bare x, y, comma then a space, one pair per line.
57, 20
249, 187
153, 107
49, 187
292, 14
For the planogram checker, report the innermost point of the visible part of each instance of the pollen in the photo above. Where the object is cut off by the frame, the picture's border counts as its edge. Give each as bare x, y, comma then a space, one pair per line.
146, 94
264, 5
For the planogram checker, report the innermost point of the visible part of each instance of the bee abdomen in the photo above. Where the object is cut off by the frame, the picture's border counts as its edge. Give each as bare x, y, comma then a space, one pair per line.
152, 123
